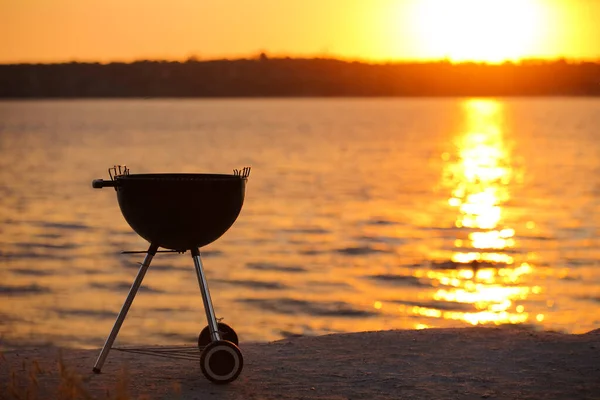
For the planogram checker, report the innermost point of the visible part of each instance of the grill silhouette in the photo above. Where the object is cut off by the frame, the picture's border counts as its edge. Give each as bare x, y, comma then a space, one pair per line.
181, 212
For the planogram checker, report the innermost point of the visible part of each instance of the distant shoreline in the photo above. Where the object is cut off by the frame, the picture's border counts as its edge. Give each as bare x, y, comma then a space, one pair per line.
291, 97
265, 77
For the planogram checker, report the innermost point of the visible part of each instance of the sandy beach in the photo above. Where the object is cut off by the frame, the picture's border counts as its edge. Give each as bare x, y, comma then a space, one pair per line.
468, 363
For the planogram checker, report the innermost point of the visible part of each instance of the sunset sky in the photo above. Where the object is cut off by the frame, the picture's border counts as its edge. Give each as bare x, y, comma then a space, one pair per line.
373, 30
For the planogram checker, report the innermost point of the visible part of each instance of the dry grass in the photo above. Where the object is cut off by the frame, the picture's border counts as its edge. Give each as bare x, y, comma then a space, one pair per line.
16, 387
71, 384
25, 384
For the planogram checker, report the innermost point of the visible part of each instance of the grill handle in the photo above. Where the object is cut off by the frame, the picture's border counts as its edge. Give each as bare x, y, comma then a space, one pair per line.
101, 183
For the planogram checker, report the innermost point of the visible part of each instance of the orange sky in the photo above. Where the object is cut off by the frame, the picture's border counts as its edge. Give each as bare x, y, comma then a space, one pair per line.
377, 30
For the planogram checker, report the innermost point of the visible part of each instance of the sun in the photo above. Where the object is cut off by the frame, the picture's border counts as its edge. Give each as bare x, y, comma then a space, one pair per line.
477, 30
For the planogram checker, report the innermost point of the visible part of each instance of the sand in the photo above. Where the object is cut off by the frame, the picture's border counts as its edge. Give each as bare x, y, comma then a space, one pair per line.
467, 363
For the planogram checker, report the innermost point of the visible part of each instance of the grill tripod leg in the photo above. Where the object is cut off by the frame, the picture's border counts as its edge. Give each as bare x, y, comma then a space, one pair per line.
208, 307
123, 313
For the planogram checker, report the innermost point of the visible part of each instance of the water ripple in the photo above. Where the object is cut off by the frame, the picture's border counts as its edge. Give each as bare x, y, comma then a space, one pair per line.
403, 280
63, 225
308, 231
253, 284
32, 255
437, 305
275, 267
359, 251
97, 314
471, 265
32, 272
51, 246
382, 239
290, 306
121, 287
23, 290
380, 222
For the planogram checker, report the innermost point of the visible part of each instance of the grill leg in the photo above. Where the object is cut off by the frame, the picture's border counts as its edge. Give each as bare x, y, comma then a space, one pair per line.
208, 307
123, 313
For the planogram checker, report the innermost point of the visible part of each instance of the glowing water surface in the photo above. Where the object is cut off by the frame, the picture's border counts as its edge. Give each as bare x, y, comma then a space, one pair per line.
360, 215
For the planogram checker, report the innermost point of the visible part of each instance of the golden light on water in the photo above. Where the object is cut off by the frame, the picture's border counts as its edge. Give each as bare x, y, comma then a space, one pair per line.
479, 175
396, 241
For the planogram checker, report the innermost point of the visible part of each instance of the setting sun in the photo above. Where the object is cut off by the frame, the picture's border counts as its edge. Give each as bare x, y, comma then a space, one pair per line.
376, 30
479, 30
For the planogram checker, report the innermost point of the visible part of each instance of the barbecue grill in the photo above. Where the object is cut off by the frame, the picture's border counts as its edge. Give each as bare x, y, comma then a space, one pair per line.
181, 212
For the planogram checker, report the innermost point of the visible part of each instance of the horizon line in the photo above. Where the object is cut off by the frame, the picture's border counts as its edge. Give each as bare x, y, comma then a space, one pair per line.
265, 56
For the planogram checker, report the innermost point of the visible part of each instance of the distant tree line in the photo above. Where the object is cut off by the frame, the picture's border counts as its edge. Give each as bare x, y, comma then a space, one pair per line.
295, 77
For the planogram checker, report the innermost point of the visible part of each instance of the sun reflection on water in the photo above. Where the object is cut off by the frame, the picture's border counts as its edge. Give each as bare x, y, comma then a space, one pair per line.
484, 273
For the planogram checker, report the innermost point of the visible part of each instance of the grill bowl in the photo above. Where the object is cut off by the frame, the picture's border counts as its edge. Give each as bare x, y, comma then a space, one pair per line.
180, 211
